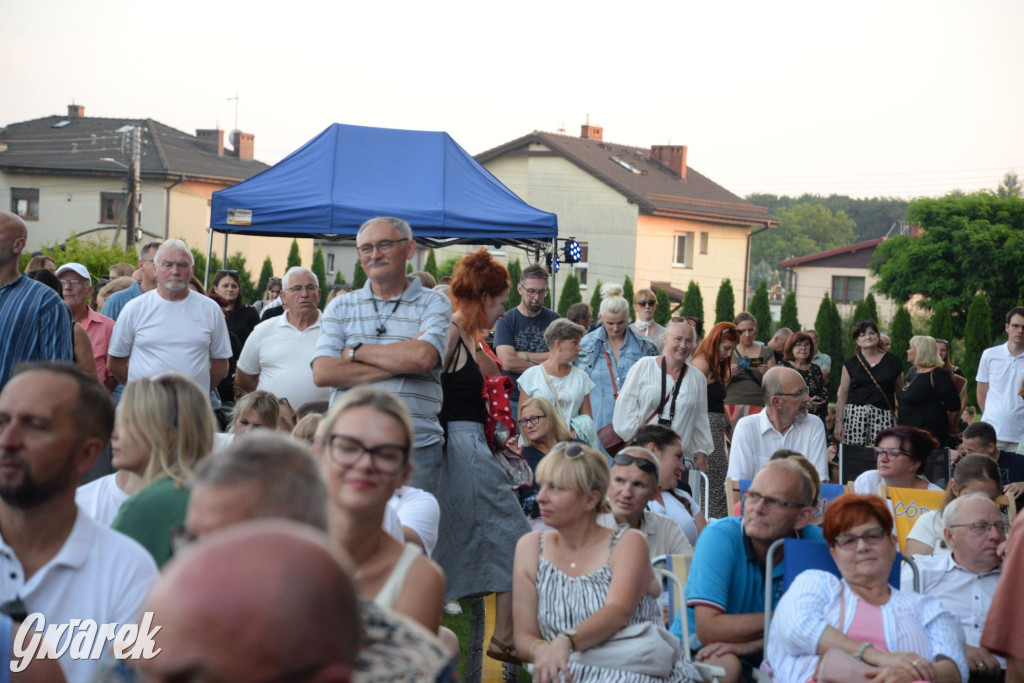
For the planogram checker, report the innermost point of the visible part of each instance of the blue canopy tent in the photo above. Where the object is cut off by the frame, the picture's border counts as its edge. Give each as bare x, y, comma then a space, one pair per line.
347, 174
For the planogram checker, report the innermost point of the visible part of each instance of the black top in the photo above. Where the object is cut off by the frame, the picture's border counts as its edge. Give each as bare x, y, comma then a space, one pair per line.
463, 389
862, 389
716, 397
925, 401
815, 382
240, 322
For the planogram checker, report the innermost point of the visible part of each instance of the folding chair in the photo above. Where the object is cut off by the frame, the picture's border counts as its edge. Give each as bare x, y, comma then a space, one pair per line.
908, 505
734, 492
698, 483
938, 468
1010, 504
855, 461
676, 569
826, 495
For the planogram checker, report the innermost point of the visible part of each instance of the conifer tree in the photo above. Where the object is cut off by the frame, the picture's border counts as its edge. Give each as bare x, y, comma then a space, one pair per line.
762, 312
725, 303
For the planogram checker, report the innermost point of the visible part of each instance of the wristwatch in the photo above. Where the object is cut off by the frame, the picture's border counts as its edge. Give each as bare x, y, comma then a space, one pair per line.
352, 351
569, 633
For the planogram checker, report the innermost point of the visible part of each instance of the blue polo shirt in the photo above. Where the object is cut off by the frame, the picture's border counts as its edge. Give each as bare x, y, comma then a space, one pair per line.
726, 575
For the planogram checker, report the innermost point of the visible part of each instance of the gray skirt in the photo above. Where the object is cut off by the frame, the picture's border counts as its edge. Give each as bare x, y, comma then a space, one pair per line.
481, 519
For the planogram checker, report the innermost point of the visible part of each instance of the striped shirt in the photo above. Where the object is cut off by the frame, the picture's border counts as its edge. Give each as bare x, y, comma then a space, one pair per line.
360, 317
35, 324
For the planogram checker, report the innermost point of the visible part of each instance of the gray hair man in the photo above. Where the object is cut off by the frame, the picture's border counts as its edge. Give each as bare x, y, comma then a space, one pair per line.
392, 333
76, 288
276, 355
147, 270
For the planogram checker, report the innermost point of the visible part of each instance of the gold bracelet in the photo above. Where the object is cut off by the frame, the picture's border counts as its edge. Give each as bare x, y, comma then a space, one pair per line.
535, 644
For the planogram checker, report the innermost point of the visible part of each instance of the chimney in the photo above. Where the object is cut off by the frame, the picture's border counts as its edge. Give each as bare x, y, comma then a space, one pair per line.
673, 156
589, 132
243, 144
211, 139
76, 111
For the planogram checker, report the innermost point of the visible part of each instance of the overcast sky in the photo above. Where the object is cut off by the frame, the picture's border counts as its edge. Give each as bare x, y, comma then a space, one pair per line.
902, 98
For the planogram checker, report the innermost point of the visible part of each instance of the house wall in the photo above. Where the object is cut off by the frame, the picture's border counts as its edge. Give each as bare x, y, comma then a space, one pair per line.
812, 282
725, 257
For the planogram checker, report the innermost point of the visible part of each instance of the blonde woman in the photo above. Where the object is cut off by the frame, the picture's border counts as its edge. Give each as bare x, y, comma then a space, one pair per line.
930, 400
644, 303
164, 426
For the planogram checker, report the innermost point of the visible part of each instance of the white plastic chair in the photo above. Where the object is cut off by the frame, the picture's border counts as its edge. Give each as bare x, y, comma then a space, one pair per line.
711, 674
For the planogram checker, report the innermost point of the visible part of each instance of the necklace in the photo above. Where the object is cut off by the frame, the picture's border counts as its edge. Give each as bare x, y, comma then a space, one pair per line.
381, 328
572, 565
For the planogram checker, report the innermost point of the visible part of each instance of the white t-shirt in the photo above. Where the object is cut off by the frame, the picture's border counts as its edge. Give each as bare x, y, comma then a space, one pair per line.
101, 499
158, 335
928, 530
571, 389
1004, 409
418, 510
867, 483
682, 514
280, 354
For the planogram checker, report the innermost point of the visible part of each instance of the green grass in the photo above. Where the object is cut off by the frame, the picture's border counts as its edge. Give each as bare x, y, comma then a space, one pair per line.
460, 624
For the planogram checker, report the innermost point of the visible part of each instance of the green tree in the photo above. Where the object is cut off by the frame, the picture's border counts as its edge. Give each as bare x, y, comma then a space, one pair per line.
595, 302
829, 327
448, 266
872, 216
871, 309
627, 291
804, 228
940, 325
320, 270
200, 259
294, 258
968, 244
266, 272
237, 263
358, 276
515, 274
977, 338
570, 294
1010, 186
96, 256
788, 315
409, 270
901, 330
339, 279
431, 264
663, 311
725, 303
762, 312
693, 303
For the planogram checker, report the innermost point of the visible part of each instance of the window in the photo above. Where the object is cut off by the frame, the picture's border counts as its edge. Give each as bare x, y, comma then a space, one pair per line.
25, 202
111, 207
703, 243
580, 268
683, 254
330, 262
847, 290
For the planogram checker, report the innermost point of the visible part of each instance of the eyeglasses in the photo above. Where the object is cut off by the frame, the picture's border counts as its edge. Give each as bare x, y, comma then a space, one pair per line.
772, 503
1015, 326
72, 283
346, 451
532, 420
384, 246
870, 537
981, 528
299, 289
644, 464
647, 302
892, 453
273, 281
535, 292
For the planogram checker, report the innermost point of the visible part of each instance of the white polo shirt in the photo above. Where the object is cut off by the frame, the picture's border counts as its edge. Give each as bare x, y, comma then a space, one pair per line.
280, 354
98, 574
101, 499
1004, 408
755, 439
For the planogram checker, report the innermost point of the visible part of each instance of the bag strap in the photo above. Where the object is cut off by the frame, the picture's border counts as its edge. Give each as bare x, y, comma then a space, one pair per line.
551, 385
875, 381
615, 385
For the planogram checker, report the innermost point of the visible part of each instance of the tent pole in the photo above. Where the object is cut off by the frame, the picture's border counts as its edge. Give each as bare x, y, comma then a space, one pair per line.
209, 253
554, 275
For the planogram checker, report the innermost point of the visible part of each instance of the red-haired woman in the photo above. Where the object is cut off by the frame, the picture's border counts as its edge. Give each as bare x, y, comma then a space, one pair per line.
481, 520
713, 358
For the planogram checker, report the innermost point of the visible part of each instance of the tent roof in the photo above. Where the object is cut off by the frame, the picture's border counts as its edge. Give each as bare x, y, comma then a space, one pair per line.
347, 174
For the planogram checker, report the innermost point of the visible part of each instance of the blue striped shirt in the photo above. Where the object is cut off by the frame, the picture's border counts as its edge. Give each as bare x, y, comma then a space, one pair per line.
35, 324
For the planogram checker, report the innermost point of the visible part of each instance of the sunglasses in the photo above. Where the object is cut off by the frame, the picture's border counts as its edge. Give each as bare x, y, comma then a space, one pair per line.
571, 450
644, 464
227, 272
646, 302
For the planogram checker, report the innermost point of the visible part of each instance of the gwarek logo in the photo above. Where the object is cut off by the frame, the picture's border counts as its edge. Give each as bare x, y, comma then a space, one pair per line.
81, 639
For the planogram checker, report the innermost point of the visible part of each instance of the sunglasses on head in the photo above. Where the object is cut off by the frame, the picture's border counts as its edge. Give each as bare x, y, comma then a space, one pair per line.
571, 450
224, 271
644, 464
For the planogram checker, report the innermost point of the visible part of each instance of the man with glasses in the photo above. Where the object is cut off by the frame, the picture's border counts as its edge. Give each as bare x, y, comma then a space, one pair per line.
276, 354
76, 286
965, 580
519, 335
171, 327
784, 423
392, 334
725, 588
147, 270
1000, 373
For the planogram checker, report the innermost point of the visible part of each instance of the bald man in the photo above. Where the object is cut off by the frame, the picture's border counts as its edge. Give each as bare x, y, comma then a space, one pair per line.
264, 600
35, 322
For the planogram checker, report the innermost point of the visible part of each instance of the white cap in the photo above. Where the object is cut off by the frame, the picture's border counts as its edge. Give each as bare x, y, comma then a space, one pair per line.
76, 267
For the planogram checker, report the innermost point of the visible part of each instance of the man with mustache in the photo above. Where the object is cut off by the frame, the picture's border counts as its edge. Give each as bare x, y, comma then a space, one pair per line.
171, 327
784, 423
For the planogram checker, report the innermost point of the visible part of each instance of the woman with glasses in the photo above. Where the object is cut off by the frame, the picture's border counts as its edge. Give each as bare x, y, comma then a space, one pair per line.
901, 453
580, 584
799, 351
930, 400
713, 358
272, 292
750, 361
542, 429
899, 635
364, 450
644, 302
481, 519
607, 353
973, 474
241, 320
164, 425
866, 400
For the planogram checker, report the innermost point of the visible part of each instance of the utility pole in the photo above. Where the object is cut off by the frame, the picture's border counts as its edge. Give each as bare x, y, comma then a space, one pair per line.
135, 190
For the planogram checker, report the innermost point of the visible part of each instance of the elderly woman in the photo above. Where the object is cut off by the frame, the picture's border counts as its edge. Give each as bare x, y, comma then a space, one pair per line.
364, 453
799, 351
901, 453
556, 379
668, 499
579, 584
930, 401
866, 400
750, 361
713, 358
666, 390
644, 303
607, 353
902, 635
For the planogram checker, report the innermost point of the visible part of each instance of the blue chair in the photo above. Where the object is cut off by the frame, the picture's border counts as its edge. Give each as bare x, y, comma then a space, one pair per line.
826, 495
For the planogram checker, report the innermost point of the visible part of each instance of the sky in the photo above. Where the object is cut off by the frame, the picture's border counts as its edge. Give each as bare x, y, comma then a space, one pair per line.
909, 98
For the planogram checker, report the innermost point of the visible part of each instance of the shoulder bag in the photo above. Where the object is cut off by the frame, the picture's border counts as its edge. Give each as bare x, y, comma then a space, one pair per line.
839, 666
895, 413
610, 439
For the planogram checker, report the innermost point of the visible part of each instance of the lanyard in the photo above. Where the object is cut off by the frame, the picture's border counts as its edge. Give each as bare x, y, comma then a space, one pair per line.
675, 390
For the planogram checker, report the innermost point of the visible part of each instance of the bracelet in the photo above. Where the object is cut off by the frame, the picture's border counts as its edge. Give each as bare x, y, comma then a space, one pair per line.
535, 644
863, 648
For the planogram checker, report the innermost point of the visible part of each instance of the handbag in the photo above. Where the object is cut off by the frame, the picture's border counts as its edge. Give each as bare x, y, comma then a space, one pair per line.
609, 438
644, 648
838, 666
499, 426
894, 411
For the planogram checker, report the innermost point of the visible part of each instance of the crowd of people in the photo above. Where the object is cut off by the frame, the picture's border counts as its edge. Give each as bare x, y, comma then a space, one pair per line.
171, 450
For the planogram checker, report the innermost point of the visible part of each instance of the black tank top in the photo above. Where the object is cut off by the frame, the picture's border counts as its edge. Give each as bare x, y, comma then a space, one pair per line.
463, 389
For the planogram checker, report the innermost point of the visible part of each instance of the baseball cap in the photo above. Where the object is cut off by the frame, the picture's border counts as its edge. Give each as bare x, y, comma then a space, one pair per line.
76, 267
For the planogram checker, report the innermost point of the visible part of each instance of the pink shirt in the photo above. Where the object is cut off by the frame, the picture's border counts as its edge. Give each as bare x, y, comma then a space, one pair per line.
99, 328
